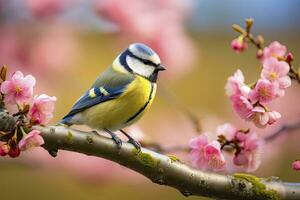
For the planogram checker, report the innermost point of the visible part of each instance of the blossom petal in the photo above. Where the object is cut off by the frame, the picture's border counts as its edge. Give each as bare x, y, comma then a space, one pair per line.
285, 82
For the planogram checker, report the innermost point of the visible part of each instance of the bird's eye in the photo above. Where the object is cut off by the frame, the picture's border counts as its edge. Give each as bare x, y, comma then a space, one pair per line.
147, 62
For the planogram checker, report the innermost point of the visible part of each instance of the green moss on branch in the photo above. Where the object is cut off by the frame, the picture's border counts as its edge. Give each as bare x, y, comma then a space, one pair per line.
259, 188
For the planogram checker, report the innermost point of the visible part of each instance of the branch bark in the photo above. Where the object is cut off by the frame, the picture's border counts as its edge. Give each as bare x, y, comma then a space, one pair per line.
169, 171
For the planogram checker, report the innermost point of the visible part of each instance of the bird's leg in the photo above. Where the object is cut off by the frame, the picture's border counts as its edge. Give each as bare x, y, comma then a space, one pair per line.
132, 141
115, 138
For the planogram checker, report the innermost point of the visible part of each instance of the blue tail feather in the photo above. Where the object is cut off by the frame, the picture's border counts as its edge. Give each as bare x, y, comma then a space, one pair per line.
66, 121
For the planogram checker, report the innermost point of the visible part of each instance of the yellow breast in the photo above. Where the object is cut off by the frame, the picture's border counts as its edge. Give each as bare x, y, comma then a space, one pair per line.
124, 110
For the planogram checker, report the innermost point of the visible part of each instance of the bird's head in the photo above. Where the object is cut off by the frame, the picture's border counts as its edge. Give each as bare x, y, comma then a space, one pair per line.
141, 60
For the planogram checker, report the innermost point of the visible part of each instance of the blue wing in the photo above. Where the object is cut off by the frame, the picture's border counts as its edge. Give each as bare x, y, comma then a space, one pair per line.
109, 85
93, 97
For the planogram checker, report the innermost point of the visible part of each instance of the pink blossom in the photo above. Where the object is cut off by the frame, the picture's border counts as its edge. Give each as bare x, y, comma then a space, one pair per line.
206, 156
239, 44
241, 158
18, 89
214, 157
264, 91
275, 50
243, 103
273, 117
42, 109
246, 145
231, 133
242, 106
3, 149
227, 130
235, 85
296, 165
197, 150
241, 136
32, 139
249, 157
276, 71
261, 117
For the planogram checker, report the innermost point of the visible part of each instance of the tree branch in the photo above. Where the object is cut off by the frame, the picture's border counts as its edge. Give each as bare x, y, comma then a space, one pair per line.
168, 171
283, 128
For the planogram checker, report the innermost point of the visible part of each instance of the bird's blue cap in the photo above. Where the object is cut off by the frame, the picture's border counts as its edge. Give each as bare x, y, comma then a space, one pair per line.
143, 49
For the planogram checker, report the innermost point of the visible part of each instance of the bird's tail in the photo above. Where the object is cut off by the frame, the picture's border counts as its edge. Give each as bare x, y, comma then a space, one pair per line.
65, 121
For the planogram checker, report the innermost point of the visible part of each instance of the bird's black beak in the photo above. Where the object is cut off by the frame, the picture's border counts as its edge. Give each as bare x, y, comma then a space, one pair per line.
160, 67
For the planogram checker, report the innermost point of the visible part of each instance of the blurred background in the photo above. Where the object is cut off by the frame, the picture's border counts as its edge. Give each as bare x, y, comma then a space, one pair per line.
65, 44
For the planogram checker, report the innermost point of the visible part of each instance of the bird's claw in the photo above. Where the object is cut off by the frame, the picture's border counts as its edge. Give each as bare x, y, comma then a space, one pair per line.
135, 143
118, 142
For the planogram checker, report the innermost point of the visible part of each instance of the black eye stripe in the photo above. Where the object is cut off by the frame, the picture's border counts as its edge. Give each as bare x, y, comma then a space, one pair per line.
146, 62
123, 61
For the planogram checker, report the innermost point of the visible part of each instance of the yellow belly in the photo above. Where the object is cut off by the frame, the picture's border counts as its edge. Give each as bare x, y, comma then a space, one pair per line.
124, 110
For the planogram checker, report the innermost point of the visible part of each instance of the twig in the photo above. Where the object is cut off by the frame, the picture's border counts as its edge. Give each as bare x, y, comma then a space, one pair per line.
165, 150
171, 98
258, 42
283, 128
168, 171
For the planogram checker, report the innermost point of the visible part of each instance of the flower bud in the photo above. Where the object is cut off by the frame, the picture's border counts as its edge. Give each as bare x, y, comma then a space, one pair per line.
239, 44
296, 165
289, 57
259, 54
14, 152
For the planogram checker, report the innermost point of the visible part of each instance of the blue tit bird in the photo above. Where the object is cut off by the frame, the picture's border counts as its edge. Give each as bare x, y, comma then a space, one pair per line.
120, 95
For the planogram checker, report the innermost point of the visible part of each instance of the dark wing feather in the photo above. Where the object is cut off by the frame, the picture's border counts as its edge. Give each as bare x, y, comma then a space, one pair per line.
86, 101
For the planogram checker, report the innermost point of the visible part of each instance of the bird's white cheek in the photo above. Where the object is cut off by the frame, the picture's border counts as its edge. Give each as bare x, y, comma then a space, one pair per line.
139, 67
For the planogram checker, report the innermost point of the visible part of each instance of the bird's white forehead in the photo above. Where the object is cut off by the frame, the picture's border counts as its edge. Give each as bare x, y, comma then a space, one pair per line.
144, 52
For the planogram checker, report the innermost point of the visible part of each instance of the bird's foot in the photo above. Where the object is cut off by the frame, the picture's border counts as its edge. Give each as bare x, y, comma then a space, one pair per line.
132, 141
115, 138
117, 141
135, 143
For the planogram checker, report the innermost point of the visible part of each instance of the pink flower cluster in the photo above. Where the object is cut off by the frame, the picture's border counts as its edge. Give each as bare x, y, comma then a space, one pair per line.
29, 141
41, 109
32, 139
233, 150
18, 90
249, 100
206, 155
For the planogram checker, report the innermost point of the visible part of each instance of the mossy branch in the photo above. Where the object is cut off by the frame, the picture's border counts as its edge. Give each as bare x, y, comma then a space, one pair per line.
166, 170
161, 169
